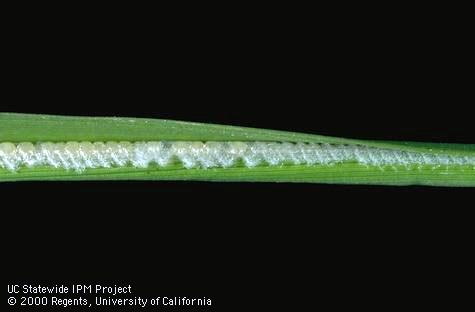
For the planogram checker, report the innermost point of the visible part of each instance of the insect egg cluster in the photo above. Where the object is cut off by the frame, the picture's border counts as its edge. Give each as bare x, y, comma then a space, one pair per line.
79, 156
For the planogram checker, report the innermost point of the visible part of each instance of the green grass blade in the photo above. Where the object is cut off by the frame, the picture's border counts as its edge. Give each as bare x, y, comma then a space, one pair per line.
18, 128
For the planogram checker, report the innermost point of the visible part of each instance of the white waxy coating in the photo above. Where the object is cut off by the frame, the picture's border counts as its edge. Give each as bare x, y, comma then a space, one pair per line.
79, 156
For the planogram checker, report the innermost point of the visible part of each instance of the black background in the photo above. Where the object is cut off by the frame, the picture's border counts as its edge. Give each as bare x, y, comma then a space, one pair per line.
247, 245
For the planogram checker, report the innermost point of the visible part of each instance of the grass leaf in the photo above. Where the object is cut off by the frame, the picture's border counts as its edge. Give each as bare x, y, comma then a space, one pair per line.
456, 167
